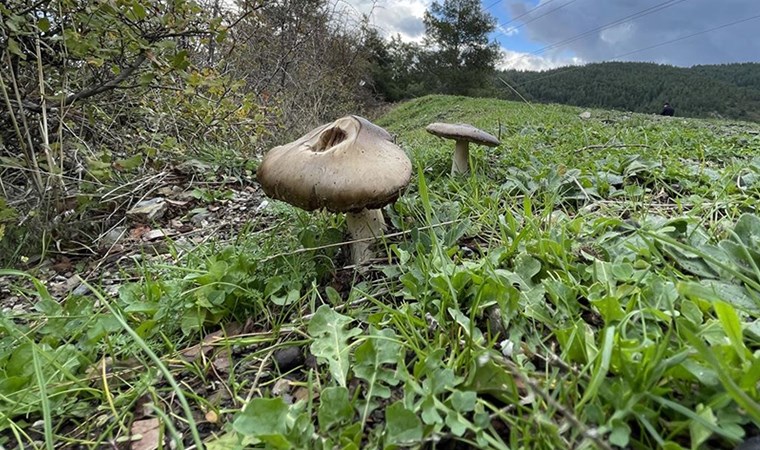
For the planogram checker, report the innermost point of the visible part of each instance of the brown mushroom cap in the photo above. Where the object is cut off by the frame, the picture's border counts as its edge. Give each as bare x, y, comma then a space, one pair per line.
462, 132
343, 166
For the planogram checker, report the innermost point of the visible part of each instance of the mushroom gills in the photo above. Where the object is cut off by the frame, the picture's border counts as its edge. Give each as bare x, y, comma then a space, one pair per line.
330, 138
364, 226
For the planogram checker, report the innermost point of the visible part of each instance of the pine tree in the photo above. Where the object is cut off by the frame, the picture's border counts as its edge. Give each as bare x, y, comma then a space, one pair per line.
462, 59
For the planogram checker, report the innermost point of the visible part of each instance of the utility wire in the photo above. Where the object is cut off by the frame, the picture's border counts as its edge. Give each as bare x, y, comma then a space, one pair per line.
633, 16
534, 18
725, 25
492, 5
525, 13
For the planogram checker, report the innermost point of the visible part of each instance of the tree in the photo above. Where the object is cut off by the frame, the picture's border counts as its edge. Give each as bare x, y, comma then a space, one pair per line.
395, 67
462, 57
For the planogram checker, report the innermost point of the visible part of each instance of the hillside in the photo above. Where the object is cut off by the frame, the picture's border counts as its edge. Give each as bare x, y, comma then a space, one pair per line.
727, 91
592, 283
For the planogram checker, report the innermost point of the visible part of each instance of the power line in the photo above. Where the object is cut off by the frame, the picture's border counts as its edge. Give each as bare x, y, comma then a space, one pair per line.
525, 13
535, 18
725, 25
633, 16
492, 5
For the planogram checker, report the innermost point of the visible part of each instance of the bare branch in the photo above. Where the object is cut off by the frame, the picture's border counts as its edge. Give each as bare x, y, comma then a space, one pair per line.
95, 90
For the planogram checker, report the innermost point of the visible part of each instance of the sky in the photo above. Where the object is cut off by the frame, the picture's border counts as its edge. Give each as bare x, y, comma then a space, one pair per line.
544, 34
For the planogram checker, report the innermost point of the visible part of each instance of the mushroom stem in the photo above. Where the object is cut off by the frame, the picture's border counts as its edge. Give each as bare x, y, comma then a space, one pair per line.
365, 224
461, 162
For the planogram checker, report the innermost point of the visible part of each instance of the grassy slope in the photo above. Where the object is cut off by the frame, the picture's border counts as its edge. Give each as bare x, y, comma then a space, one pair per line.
594, 282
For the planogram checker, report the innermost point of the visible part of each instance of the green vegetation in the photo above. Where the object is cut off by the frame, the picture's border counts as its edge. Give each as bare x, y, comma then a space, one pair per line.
594, 283
723, 91
100, 100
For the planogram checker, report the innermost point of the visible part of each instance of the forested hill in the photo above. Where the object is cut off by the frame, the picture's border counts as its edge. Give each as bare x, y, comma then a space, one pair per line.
727, 91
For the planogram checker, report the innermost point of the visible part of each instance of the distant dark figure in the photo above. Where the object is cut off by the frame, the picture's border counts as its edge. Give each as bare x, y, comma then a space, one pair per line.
667, 110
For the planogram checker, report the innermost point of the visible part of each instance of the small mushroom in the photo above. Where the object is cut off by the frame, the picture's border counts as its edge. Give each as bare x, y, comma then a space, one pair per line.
463, 134
350, 165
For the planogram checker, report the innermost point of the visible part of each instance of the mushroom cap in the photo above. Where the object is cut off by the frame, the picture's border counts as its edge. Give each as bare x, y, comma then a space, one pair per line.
462, 132
343, 166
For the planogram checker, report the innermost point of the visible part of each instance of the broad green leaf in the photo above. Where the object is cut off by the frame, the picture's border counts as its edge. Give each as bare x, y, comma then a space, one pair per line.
331, 341
456, 422
262, 417
333, 295
463, 401
490, 378
138, 10
14, 48
747, 229
334, 407
621, 434
700, 433
732, 326
372, 359
129, 163
401, 425
714, 290
610, 309
470, 330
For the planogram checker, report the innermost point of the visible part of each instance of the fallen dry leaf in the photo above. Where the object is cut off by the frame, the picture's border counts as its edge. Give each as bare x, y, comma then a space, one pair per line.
221, 362
137, 232
145, 434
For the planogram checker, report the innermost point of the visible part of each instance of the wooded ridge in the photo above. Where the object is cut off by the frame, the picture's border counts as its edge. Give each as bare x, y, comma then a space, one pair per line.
723, 91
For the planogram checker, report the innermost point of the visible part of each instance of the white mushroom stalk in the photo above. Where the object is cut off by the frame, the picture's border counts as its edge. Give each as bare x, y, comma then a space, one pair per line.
350, 166
364, 227
461, 161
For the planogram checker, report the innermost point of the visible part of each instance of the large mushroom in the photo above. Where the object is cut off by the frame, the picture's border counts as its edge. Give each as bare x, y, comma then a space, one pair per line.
463, 134
350, 165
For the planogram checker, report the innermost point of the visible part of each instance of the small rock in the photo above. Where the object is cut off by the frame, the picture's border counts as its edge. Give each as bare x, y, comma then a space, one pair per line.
752, 443
167, 191
81, 290
155, 234
148, 210
200, 219
288, 358
113, 236
585, 115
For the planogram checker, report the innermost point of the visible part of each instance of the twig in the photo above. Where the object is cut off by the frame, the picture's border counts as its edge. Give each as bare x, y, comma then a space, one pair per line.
95, 90
356, 302
322, 247
589, 433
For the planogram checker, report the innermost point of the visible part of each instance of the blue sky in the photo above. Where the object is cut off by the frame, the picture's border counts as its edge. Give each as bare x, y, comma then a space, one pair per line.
543, 34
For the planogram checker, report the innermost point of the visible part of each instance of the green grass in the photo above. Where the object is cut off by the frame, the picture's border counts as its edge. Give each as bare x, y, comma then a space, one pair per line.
592, 284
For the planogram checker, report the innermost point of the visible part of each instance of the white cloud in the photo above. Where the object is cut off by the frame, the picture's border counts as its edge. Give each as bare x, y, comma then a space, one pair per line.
619, 34
507, 31
392, 17
512, 60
